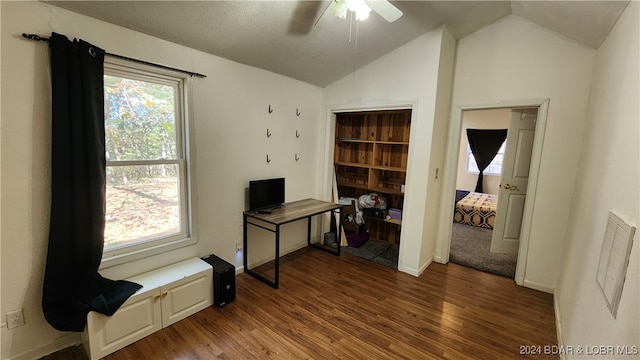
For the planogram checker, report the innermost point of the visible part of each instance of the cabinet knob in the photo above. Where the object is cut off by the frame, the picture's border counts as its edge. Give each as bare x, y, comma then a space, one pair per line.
164, 295
156, 298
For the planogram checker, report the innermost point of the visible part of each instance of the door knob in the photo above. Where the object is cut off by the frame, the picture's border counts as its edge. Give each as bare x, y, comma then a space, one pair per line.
509, 187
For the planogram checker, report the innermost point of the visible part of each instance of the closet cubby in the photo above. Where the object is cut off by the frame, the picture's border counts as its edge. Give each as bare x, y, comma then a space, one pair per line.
353, 153
352, 176
391, 156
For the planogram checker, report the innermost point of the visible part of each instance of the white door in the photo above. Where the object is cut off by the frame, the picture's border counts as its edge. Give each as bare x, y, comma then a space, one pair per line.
515, 177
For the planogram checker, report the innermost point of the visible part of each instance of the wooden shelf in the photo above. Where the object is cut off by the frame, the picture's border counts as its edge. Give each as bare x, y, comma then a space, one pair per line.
345, 163
381, 190
392, 142
371, 153
390, 221
388, 168
348, 140
353, 185
394, 221
345, 140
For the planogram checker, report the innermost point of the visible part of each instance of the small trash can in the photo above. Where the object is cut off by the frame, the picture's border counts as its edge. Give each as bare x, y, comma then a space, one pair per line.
329, 238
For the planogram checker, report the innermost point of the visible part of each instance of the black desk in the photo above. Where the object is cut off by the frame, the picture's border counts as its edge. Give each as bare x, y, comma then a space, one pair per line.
291, 212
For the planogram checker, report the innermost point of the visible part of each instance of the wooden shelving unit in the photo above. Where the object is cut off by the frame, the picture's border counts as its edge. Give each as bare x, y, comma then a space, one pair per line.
371, 150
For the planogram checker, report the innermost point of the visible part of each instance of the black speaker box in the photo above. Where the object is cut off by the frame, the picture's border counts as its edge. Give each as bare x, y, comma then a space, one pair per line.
224, 280
372, 212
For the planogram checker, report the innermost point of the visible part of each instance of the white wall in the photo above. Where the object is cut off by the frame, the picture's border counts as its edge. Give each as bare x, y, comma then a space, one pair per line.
408, 75
513, 60
231, 118
438, 149
479, 119
608, 179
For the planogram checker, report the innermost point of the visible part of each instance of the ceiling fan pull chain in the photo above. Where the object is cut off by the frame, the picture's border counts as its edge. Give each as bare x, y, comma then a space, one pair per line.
350, 23
357, 27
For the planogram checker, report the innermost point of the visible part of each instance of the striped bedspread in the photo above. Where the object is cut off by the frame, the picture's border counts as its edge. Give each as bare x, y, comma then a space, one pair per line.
477, 209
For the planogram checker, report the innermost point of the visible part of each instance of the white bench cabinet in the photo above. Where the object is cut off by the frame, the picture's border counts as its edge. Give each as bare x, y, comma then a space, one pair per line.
168, 295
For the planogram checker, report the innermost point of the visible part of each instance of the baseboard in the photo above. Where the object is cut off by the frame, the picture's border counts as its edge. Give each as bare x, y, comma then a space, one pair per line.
416, 272
537, 286
239, 270
283, 252
556, 310
63, 342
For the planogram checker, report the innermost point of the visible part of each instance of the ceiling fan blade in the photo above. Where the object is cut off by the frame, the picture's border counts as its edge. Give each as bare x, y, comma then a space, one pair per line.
385, 9
304, 17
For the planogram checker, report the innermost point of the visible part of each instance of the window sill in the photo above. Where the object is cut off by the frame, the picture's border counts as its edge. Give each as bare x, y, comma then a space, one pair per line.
119, 259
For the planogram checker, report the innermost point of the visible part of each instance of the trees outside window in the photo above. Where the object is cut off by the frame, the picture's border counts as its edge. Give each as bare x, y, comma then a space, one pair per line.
148, 200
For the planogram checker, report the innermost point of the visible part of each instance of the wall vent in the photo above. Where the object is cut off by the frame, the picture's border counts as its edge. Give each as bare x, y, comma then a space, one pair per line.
614, 258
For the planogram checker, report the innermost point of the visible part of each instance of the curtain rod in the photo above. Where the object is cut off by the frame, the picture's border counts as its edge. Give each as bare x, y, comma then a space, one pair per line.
42, 38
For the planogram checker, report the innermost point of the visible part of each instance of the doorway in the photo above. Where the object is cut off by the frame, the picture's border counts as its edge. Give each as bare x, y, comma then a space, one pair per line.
443, 244
475, 207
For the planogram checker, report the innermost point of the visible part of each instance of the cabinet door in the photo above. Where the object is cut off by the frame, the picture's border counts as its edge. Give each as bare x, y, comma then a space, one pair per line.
186, 296
138, 317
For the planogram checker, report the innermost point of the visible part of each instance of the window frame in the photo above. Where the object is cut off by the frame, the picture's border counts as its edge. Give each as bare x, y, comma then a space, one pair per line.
487, 171
182, 84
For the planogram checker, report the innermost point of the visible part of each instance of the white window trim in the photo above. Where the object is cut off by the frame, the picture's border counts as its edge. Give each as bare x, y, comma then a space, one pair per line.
185, 144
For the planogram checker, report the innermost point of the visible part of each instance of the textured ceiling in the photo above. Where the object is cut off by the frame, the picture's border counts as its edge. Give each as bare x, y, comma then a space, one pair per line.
262, 33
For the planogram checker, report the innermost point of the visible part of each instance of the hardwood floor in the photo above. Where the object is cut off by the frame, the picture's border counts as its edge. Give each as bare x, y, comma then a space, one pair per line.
329, 307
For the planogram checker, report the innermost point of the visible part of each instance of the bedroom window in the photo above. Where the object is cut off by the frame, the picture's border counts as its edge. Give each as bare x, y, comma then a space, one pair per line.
494, 168
148, 171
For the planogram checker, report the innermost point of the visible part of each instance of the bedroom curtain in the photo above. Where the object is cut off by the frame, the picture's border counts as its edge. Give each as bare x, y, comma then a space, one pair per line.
72, 284
484, 145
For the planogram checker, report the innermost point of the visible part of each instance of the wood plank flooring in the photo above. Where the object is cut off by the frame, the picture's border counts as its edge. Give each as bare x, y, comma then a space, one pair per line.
345, 307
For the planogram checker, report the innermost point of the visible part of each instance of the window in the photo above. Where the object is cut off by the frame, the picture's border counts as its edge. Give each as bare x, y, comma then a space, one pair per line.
494, 168
148, 173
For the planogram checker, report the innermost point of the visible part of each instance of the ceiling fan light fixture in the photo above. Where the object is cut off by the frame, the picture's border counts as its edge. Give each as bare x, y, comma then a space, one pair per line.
339, 8
359, 7
362, 14
353, 5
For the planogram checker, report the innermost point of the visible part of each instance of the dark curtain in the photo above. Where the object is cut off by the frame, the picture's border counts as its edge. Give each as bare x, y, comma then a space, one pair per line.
72, 284
484, 145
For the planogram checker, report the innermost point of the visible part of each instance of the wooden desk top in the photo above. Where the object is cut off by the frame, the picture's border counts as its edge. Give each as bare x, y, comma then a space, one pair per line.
295, 210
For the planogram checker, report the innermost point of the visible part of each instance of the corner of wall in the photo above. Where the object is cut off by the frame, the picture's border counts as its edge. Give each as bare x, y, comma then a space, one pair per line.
558, 317
438, 150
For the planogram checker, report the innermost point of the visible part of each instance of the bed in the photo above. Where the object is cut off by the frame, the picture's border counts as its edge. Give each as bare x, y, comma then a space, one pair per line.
475, 209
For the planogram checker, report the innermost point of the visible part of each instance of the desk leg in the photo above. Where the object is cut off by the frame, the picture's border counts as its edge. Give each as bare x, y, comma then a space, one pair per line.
321, 246
277, 270
245, 254
244, 242
339, 234
309, 231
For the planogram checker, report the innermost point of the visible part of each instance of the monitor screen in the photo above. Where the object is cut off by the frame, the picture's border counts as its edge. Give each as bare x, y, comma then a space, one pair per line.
267, 193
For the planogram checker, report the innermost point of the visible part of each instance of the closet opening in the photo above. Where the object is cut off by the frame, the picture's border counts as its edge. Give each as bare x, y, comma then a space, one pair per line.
370, 166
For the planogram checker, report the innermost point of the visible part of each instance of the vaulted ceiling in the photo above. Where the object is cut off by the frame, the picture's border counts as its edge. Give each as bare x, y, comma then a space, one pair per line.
264, 33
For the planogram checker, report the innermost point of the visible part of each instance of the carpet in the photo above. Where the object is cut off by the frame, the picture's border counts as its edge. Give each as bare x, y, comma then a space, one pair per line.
470, 247
379, 252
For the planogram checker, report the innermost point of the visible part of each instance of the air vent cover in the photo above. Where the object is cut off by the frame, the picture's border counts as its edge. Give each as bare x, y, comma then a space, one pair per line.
614, 258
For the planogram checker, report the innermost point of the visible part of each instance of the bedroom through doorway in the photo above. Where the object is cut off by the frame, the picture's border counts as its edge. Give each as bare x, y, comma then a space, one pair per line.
483, 155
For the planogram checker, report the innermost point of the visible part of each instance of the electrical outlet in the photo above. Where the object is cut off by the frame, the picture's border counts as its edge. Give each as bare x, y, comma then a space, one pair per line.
15, 319
238, 247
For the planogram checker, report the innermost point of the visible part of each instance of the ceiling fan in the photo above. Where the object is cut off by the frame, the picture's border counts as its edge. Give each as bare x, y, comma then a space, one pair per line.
362, 8
305, 16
